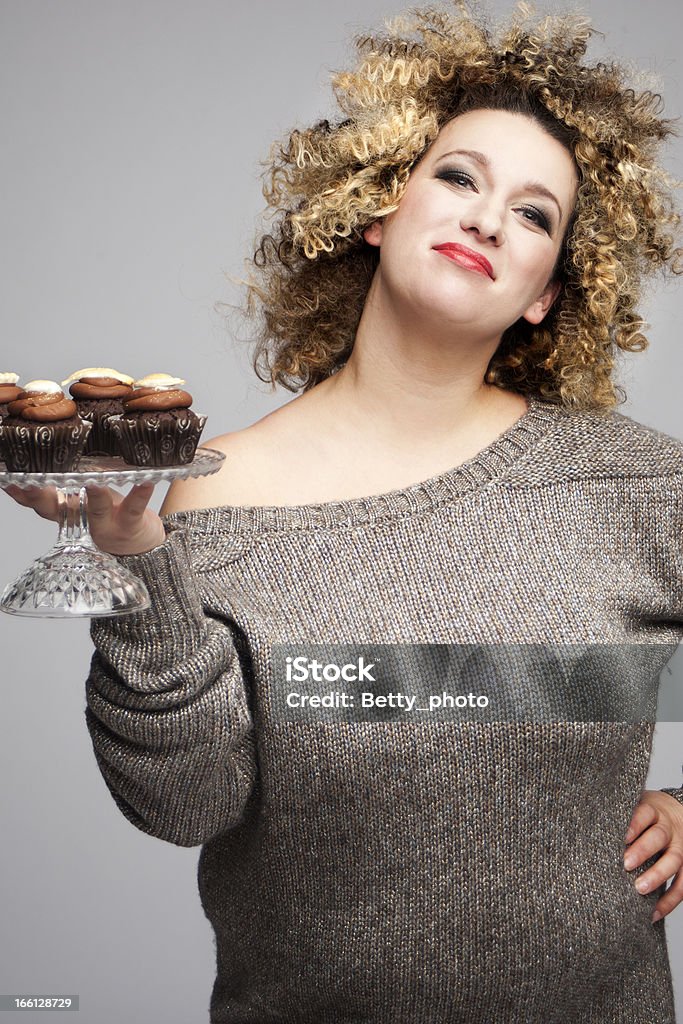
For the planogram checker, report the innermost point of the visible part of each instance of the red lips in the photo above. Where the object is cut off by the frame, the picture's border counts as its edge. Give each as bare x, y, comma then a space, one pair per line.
469, 254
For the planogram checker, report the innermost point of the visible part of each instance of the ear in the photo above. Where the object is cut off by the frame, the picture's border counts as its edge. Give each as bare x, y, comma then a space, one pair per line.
373, 233
539, 308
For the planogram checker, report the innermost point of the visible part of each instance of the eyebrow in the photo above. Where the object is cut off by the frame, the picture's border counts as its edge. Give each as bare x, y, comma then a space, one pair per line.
531, 186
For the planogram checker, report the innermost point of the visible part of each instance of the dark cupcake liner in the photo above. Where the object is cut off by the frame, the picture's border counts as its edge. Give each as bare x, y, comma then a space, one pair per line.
158, 439
43, 447
101, 439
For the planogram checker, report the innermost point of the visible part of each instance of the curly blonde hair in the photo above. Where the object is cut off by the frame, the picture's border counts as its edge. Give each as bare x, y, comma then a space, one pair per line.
327, 183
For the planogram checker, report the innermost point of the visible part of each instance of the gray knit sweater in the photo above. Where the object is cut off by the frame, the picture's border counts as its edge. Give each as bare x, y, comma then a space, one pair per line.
405, 871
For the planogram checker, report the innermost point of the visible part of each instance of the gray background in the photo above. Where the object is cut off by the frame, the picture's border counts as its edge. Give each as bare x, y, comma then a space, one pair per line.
132, 138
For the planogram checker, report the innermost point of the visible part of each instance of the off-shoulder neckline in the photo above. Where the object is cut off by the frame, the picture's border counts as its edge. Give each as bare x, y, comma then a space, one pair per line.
486, 466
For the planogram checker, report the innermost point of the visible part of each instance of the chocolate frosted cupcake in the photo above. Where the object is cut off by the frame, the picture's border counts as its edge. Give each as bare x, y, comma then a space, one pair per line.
157, 426
9, 391
42, 432
98, 392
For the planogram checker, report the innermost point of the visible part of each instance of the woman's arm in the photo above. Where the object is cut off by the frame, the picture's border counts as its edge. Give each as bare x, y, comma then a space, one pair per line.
167, 706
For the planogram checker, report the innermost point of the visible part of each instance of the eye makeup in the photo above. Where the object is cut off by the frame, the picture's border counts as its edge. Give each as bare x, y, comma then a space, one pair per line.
459, 177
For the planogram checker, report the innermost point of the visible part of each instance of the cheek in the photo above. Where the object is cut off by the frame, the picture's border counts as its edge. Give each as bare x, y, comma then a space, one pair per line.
538, 262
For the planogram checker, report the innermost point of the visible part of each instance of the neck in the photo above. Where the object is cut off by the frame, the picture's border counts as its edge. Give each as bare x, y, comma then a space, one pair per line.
410, 383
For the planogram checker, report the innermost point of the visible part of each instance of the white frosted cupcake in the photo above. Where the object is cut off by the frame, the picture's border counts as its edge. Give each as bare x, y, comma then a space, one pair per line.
157, 426
98, 392
42, 432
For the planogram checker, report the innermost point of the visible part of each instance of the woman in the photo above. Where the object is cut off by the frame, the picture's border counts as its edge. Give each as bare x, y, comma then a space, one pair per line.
453, 268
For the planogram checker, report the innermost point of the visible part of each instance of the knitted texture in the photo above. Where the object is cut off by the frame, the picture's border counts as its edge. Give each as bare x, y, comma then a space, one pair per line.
402, 872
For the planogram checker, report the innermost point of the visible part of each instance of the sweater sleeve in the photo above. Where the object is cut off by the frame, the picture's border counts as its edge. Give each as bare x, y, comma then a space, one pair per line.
167, 705
676, 793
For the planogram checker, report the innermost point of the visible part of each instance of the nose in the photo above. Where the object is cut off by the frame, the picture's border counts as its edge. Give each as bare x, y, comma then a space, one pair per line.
482, 217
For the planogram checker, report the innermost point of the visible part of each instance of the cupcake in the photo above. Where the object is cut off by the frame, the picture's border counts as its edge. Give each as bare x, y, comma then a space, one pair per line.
157, 426
42, 432
98, 392
8, 391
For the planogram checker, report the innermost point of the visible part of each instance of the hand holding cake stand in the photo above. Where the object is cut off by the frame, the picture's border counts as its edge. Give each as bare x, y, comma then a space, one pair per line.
75, 578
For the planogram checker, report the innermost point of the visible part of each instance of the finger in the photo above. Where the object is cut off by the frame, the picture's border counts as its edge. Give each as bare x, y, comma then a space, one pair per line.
656, 837
100, 501
669, 864
136, 501
42, 500
643, 816
18, 493
670, 899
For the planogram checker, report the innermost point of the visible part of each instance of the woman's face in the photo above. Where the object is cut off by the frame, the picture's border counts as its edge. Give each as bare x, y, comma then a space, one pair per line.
506, 195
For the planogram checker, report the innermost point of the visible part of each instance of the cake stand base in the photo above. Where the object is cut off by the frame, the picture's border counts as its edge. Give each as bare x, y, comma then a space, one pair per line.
74, 581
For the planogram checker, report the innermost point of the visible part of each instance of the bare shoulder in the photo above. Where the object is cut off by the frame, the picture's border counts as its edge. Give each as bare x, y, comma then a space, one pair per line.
248, 473
228, 486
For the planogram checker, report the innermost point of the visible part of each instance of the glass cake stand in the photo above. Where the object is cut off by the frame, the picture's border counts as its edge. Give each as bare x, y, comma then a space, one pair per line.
76, 578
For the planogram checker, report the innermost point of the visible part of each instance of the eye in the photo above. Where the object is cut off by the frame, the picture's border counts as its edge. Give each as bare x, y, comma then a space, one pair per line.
457, 176
540, 218
461, 178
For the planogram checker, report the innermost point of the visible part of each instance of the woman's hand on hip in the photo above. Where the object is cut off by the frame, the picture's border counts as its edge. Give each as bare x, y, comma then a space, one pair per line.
657, 824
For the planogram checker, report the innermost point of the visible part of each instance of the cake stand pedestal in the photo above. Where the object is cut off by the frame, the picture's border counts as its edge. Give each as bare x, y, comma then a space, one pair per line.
75, 578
